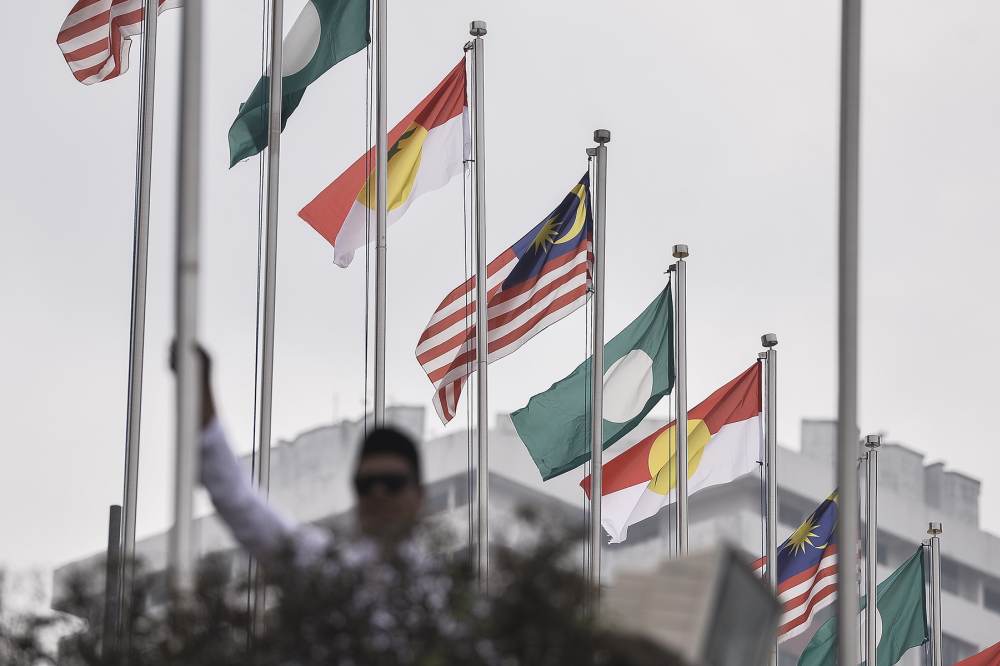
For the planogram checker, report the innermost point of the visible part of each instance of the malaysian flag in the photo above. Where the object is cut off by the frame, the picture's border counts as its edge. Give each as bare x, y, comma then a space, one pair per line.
807, 570
96, 35
537, 281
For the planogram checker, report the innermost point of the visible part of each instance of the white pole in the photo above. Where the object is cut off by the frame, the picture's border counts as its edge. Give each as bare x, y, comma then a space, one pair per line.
182, 556
381, 212
847, 331
934, 529
137, 329
602, 137
872, 443
680, 396
266, 315
770, 341
478, 30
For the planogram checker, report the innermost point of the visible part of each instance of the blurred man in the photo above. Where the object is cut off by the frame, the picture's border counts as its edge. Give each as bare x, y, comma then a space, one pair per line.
387, 486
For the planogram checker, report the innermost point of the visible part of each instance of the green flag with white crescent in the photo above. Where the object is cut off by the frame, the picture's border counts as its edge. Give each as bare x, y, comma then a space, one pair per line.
900, 619
326, 32
639, 370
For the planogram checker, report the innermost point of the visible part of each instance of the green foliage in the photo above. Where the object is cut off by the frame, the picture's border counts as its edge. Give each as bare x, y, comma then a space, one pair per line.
391, 609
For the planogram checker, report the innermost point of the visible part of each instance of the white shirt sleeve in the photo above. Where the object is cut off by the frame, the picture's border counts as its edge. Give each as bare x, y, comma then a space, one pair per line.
255, 525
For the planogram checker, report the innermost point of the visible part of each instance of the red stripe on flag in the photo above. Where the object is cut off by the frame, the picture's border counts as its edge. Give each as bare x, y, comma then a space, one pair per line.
93, 23
455, 342
807, 615
539, 296
87, 51
797, 601
83, 4
514, 336
113, 38
802, 576
523, 330
506, 257
528, 285
436, 327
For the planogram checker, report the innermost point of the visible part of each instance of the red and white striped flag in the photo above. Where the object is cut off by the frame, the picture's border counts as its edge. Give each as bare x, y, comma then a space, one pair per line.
534, 283
807, 570
96, 35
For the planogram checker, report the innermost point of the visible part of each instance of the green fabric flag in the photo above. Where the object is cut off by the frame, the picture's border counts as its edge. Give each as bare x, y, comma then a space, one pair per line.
900, 619
326, 32
639, 370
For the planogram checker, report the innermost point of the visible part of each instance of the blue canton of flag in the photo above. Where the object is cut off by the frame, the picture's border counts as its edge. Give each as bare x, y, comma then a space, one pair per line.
567, 228
532, 284
807, 569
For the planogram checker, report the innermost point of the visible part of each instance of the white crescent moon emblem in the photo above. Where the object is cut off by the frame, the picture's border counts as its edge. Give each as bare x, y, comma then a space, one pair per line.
302, 40
581, 217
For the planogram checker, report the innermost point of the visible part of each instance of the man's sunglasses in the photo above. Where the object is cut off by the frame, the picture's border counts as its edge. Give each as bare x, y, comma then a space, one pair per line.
392, 483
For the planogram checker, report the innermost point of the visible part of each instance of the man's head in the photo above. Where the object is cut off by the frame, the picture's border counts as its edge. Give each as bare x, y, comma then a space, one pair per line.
387, 483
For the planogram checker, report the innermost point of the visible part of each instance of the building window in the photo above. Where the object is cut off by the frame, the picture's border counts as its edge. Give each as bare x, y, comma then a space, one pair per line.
955, 649
882, 553
791, 515
949, 576
991, 598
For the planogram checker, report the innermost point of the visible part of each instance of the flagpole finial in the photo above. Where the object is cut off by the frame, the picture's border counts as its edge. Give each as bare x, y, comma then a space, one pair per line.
477, 28
602, 136
873, 441
934, 529
769, 340
681, 251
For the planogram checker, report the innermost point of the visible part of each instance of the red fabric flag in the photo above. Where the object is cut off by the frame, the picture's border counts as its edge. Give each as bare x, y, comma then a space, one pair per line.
988, 657
96, 35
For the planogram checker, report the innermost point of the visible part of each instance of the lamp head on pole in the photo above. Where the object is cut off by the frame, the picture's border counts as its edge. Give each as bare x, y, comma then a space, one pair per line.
873, 441
681, 251
602, 136
477, 28
769, 340
934, 529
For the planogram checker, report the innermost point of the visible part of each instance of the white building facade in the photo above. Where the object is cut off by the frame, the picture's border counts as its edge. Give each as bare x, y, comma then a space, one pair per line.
310, 481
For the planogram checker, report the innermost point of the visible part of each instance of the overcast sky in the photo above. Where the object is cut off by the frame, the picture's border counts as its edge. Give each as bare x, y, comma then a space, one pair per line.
724, 123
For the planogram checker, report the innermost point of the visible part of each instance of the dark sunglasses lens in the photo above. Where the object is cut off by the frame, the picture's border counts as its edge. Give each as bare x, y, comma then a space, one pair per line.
392, 483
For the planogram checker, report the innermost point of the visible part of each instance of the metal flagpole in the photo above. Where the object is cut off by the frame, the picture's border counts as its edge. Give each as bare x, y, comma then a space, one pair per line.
112, 584
137, 329
680, 397
266, 351
847, 329
602, 137
188, 389
872, 443
769, 341
381, 212
478, 30
934, 529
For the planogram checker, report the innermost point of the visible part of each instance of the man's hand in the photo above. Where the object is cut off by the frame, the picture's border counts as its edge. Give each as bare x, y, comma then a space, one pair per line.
204, 362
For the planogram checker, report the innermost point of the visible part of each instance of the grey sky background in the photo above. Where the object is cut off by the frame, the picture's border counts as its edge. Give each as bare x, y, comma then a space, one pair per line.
724, 122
